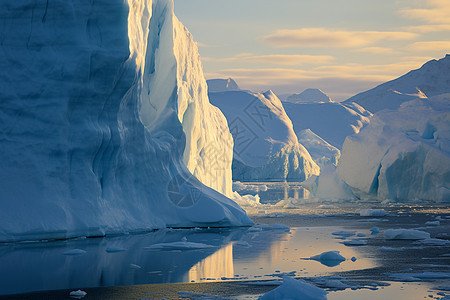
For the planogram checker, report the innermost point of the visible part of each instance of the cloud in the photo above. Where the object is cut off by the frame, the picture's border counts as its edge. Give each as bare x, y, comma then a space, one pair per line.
428, 28
323, 37
278, 59
355, 76
437, 12
376, 50
441, 46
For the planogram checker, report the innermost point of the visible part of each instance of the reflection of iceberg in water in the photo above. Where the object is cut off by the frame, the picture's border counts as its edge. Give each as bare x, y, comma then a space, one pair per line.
43, 266
217, 265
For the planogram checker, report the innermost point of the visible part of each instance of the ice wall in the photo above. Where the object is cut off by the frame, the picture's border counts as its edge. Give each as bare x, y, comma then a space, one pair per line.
103, 105
403, 154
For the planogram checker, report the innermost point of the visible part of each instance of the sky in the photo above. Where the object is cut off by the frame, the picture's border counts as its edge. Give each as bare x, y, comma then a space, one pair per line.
342, 47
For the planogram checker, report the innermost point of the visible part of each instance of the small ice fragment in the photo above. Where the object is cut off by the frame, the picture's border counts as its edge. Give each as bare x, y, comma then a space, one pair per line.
433, 223
344, 233
74, 252
406, 234
360, 235
374, 230
295, 289
372, 212
184, 239
355, 243
78, 294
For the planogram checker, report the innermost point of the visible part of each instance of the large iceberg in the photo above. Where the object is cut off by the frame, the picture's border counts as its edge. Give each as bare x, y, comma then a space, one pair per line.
265, 144
330, 120
432, 79
104, 117
403, 154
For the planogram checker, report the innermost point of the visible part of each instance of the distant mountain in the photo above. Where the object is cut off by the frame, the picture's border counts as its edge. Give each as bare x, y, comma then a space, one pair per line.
309, 95
265, 144
222, 85
331, 121
432, 79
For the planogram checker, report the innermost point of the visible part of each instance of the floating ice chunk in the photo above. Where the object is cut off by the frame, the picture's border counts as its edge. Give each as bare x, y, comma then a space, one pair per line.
183, 245
344, 233
434, 242
295, 289
189, 295
74, 252
383, 248
115, 249
406, 234
78, 294
372, 212
361, 235
433, 223
329, 258
355, 243
374, 230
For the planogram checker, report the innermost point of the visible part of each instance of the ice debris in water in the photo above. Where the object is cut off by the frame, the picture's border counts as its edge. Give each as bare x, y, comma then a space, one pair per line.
344, 233
372, 212
374, 230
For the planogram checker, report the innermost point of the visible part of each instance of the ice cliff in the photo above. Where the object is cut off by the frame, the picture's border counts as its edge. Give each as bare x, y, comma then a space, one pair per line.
265, 144
432, 79
104, 116
403, 155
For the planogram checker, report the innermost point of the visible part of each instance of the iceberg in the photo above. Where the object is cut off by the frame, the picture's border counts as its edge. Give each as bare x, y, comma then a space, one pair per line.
222, 85
309, 95
105, 123
332, 121
403, 155
430, 80
265, 144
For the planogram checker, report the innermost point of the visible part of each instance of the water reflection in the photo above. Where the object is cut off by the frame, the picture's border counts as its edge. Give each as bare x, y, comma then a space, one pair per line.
238, 253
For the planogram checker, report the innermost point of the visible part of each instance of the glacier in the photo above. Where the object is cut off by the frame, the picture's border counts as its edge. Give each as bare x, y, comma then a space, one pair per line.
105, 123
403, 154
432, 79
265, 144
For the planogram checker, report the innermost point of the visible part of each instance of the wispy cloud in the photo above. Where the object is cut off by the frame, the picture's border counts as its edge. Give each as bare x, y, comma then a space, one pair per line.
436, 12
323, 37
280, 59
441, 46
376, 50
428, 28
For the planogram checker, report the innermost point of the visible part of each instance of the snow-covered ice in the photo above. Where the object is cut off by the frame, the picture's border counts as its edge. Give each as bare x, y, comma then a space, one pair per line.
295, 289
